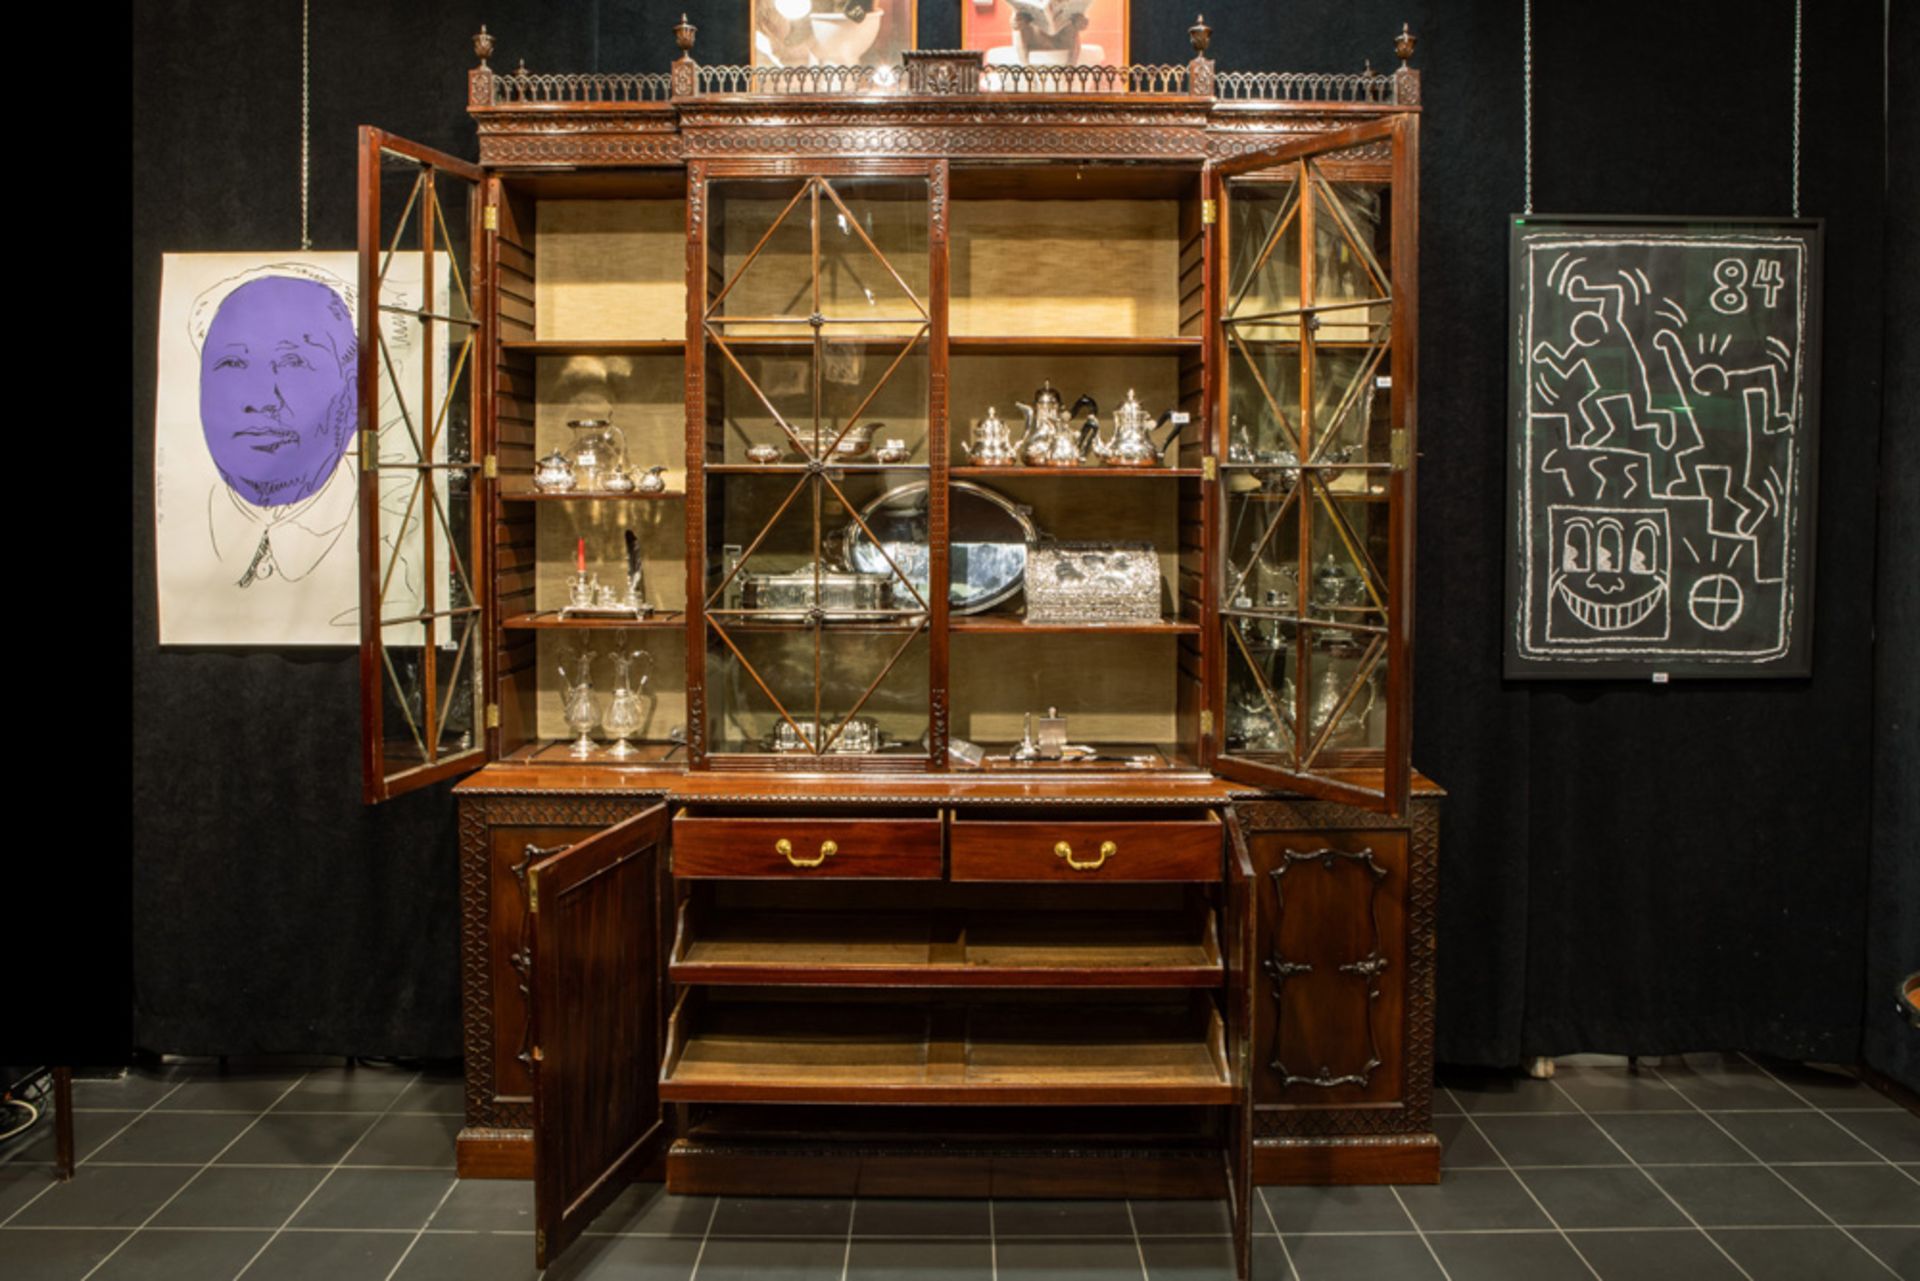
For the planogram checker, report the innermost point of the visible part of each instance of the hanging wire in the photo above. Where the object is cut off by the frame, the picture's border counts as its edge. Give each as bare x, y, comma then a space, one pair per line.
306, 119
1796, 108
1526, 83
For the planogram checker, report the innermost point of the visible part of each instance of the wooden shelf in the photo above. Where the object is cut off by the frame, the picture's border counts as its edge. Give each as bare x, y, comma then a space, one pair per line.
1105, 473
545, 619
800, 469
596, 346
948, 948
1052, 345
518, 495
997, 622
1017, 1052
646, 755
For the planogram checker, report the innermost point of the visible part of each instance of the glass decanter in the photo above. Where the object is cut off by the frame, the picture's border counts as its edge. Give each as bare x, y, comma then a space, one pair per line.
577, 703
626, 712
598, 452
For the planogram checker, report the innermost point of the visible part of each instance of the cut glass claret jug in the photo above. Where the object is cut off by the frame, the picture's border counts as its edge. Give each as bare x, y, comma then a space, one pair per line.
578, 705
626, 711
598, 452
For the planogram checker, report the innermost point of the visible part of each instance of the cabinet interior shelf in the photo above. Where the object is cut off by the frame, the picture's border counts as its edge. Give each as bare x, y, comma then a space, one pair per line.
952, 948
516, 491
936, 1050
550, 751
596, 346
1048, 345
1016, 623
550, 619
1107, 473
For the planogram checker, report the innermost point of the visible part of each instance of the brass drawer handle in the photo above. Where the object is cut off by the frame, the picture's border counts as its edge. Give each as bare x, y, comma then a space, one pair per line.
784, 848
1107, 850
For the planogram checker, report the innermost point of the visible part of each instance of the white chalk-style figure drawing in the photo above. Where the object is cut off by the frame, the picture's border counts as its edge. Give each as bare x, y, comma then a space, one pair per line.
1661, 452
257, 451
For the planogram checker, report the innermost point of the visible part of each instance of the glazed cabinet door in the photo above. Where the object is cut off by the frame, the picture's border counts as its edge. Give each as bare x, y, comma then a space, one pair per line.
1314, 348
596, 979
421, 332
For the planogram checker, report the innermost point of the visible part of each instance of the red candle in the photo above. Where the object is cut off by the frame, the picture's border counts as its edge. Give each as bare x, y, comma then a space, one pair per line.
581, 559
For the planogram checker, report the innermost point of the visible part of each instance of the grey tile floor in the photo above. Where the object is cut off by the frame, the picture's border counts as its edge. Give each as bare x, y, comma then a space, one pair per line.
1704, 1168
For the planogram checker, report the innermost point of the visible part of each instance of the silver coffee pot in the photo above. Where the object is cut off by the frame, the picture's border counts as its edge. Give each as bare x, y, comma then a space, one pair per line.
1052, 439
1132, 443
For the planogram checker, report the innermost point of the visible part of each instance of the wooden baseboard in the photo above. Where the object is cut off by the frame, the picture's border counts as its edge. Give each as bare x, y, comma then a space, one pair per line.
696, 1168
1303, 1162
493, 1154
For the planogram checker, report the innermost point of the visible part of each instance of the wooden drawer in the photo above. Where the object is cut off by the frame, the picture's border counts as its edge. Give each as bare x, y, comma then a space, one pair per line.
900, 846
1180, 846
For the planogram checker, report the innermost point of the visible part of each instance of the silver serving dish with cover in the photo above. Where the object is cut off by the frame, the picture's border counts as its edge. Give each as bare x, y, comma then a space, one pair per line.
842, 594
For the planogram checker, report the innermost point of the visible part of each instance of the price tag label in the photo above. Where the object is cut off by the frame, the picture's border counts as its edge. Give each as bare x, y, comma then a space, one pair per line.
1383, 382
1659, 678
1180, 417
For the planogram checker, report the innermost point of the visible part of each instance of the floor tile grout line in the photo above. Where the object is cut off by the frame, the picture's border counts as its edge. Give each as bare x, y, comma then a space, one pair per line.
1138, 1248
1420, 1234
324, 1180
993, 1241
1531, 1195
1827, 1113
422, 1231
846, 1259
1285, 1254
80, 1160
1783, 1178
192, 1178
1632, 1160
705, 1237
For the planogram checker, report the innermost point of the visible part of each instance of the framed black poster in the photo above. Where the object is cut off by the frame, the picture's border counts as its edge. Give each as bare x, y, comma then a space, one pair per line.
1660, 487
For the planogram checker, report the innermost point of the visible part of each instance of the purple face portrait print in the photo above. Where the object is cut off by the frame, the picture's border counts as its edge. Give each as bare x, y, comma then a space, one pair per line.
277, 388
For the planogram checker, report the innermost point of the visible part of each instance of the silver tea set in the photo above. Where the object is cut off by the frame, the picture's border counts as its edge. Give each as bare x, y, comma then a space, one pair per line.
1051, 436
595, 462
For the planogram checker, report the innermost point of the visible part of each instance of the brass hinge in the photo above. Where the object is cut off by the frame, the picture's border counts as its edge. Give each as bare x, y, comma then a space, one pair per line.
1209, 211
491, 219
493, 716
1206, 722
1397, 449
490, 467
533, 905
536, 1056
1209, 467
540, 1240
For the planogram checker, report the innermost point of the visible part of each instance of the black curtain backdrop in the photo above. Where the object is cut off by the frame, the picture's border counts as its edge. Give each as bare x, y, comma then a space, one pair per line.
1893, 940
1624, 868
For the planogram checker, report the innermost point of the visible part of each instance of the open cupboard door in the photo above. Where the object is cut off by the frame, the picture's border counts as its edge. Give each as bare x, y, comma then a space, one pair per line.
596, 983
423, 576
1239, 947
1314, 347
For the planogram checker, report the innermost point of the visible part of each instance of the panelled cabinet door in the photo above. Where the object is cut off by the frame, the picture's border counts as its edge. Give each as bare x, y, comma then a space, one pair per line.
423, 641
596, 984
1314, 348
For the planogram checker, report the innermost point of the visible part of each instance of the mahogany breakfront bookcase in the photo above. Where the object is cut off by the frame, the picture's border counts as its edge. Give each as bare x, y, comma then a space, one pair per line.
792, 944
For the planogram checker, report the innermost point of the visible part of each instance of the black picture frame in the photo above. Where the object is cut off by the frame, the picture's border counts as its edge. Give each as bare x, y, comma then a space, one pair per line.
1662, 450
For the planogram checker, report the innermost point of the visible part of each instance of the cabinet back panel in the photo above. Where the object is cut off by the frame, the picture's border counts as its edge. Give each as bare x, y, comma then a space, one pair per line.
1089, 268
611, 269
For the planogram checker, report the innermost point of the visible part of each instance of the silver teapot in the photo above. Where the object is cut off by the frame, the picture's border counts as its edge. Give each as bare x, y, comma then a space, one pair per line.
652, 481
1132, 443
1052, 439
553, 474
993, 444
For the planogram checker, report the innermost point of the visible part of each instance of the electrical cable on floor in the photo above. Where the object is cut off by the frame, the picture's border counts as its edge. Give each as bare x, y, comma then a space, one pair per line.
33, 1114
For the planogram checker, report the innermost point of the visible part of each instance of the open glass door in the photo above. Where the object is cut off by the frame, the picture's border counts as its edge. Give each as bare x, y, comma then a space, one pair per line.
423, 640
1314, 342
596, 981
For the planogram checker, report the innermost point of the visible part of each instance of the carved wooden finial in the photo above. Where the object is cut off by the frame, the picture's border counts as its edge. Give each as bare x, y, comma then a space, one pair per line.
1367, 67
521, 70
1403, 45
1200, 34
683, 34
483, 44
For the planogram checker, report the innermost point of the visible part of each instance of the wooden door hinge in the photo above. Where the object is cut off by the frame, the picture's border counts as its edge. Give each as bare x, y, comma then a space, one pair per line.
1209, 211
491, 218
